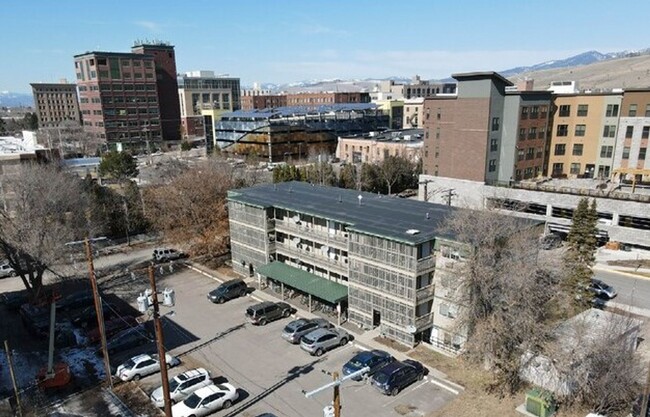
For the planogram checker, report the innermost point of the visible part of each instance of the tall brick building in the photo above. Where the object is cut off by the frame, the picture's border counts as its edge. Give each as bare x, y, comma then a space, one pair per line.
56, 103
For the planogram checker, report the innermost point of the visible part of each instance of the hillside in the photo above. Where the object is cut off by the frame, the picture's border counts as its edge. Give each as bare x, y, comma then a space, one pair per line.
608, 74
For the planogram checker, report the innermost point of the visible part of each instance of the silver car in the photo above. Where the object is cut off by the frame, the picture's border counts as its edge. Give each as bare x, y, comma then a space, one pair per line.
6, 271
321, 340
182, 385
298, 328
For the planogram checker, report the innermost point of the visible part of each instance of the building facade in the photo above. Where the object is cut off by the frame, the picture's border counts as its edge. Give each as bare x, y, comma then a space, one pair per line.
56, 103
395, 111
252, 100
630, 157
202, 92
413, 113
290, 132
417, 88
336, 237
375, 147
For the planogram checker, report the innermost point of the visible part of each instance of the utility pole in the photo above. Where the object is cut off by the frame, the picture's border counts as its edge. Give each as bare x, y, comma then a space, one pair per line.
99, 310
450, 194
13, 379
160, 341
336, 401
335, 409
646, 392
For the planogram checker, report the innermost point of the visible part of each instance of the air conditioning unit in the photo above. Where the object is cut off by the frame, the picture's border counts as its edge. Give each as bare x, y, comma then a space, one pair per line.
540, 403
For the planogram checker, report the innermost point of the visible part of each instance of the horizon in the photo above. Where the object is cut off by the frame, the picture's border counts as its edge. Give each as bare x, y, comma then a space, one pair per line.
288, 41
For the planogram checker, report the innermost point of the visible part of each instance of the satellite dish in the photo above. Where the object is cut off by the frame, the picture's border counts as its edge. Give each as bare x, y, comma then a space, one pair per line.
411, 329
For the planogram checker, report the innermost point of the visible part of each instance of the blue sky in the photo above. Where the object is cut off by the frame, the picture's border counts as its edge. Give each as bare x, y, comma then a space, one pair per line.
291, 40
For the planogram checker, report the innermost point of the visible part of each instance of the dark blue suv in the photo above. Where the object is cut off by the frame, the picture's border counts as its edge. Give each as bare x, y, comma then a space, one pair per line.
374, 359
397, 375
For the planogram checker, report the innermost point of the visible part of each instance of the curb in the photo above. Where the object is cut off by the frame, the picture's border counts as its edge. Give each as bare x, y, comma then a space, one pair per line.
618, 271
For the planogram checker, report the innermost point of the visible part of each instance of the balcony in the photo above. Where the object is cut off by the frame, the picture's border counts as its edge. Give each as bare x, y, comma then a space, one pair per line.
425, 292
425, 264
424, 321
315, 233
312, 256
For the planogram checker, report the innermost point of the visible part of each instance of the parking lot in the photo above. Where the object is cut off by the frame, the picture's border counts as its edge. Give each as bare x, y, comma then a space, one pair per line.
271, 373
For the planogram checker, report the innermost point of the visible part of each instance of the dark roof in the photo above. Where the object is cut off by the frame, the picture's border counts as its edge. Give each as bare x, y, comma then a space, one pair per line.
304, 281
480, 75
379, 215
298, 110
115, 54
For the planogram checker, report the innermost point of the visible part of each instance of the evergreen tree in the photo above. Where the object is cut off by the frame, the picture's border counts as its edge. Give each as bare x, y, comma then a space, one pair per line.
579, 257
348, 177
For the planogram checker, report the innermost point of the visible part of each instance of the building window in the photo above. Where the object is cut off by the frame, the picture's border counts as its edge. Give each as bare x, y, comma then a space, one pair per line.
562, 130
530, 154
520, 155
577, 149
575, 168
534, 112
582, 110
495, 124
126, 63
560, 149
606, 151
626, 152
609, 131
541, 134
629, 131
101, 61
580, 130
632, 111
647, 110
522, 133
524, 112
540, 153
543, 111
565, 110
612, 110
558, 169
645, 132
642, 153
492, 165
494, 145
532, 133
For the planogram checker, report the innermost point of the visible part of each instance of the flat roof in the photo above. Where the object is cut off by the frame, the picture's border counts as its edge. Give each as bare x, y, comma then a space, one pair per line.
299, 110
480, 75
115, 54
378, 215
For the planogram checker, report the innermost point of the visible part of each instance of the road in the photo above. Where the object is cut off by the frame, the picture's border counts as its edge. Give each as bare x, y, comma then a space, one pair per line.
631, 291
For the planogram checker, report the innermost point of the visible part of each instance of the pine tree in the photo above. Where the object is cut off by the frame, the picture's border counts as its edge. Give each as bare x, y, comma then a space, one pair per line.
579, 257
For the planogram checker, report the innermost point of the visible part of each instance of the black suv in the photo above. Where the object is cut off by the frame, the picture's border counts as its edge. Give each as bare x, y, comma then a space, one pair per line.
395, 376
228, 290
267, 311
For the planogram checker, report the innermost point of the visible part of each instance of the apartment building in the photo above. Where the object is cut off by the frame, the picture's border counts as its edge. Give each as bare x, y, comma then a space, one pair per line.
413, 113
252, 99
202, 93
376, 146
125, 98
56, 103
581, 128
630, 157
395, 111
290, 132
417, 88
310, 100
336, 246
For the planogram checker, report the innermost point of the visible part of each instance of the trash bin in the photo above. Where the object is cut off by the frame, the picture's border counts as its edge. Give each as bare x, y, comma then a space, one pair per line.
169, 297
143, 303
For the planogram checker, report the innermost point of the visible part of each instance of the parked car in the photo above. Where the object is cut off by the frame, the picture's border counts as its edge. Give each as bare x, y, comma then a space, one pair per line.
321, 340
268, 311
6, 271
111, 327
397, 375
206, 401
295, 330
373, 359
228, 290
129, 338
166, 254
601, 289
182, 385
143, 365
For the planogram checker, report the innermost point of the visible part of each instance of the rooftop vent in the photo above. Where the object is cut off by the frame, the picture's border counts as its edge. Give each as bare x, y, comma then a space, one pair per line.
412, 232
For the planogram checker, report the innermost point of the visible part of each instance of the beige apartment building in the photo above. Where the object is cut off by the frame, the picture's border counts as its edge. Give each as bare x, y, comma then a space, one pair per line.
631, 148
413, 113
579, 124
374, 147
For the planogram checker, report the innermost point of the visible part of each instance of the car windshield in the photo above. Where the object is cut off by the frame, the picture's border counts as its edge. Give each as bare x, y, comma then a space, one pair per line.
192, 401
129, 364
381, 377
291, 327
173, 384
356, 363
307, 339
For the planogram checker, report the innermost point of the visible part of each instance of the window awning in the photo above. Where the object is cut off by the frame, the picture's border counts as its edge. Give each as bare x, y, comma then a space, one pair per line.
304, 281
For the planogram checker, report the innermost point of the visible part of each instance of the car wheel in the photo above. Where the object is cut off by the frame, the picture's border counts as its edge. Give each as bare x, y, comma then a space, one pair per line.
344, 342
421, 376
263, 322
227, 404
221, 300
319, 352
394, 391
286, 313
172, 401
136, 377
12, 274
242, 293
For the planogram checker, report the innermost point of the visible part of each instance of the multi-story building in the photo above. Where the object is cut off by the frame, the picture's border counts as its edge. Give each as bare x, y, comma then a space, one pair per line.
581, 128
201, 93
164, 58
413, 113
395, 111
56, 103
286, 132
337, 246
252, 100
375, 146
630, 157
121, 95
417, 88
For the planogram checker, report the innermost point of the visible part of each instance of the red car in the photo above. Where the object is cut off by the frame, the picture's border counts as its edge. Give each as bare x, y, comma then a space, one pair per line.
112, 327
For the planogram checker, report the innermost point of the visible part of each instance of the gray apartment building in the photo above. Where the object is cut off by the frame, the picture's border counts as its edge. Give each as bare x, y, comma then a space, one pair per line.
372, 254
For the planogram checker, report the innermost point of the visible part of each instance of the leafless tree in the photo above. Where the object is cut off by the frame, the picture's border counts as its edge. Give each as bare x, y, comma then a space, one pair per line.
44, 208
504, 294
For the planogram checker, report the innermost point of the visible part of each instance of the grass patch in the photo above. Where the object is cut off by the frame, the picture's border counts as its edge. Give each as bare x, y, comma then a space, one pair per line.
392, 344
631, 263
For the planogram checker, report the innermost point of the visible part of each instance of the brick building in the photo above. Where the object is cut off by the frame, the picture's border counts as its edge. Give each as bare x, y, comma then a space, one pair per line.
56, 103
269, 101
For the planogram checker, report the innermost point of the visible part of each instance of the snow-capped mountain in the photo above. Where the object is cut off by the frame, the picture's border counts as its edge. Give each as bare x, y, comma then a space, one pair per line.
9, 99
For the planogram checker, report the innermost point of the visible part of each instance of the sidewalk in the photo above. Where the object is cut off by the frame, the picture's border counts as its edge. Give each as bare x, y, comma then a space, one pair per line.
364, 340
603, 256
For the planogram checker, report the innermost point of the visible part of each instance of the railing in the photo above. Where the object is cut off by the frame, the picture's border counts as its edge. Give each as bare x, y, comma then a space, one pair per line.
446, 346
425, 292
270, 224
424, 321
312, 256
309, 232
425, 263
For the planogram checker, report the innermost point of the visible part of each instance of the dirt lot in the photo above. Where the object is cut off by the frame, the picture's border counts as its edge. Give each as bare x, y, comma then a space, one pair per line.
474, 401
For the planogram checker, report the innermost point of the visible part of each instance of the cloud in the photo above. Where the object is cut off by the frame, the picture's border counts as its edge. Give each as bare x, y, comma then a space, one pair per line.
149, 25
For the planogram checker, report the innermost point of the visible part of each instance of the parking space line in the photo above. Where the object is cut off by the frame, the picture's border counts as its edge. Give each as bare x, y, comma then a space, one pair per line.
358, 346
418, 386
441, 385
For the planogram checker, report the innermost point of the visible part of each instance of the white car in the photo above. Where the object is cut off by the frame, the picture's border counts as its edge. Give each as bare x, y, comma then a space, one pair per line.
143, 365
206, 401
182, 385
6, 271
